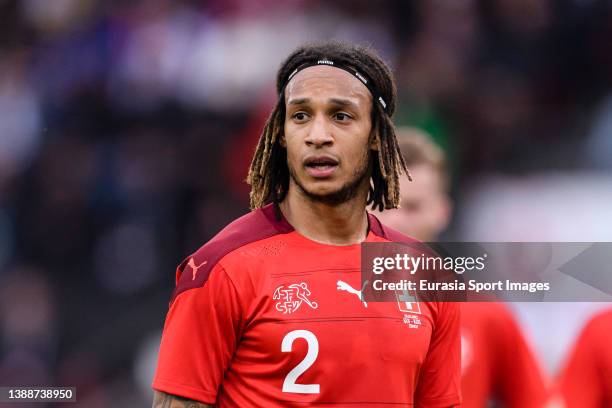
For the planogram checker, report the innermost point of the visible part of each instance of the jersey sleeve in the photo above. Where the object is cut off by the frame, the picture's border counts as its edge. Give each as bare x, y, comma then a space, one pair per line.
200, 334
439, 382
580, 383
519, 380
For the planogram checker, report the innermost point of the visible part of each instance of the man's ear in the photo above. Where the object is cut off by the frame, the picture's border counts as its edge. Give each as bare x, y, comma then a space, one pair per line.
374, 142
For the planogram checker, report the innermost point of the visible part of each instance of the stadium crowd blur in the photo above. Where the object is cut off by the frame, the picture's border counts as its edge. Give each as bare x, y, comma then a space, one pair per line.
126, 129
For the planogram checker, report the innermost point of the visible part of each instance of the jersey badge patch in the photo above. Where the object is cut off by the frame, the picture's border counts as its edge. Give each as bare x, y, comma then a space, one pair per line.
291, 297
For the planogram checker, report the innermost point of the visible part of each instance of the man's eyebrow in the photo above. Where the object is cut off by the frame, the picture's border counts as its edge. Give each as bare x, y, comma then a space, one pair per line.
335, 101
299, 101
343, 102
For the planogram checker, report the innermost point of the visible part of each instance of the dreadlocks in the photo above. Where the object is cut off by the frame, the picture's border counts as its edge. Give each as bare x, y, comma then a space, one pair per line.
269, 174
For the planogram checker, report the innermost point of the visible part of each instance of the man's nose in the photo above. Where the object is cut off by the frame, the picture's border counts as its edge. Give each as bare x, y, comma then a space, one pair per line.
319, 133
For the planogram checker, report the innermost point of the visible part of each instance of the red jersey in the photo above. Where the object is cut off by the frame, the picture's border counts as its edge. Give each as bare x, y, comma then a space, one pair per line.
497, 364
586, 380
264, 317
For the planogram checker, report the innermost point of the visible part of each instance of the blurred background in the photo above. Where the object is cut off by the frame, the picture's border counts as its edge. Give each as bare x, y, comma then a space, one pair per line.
127, 127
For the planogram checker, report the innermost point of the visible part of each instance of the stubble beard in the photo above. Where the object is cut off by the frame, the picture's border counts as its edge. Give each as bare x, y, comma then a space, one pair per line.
346, 192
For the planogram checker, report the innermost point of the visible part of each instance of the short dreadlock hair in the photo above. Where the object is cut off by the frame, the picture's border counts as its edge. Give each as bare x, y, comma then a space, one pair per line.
269, 173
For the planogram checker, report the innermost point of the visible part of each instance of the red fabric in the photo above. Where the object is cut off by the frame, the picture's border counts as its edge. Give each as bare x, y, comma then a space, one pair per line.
251, 227
586, 379
223, 341
497, 363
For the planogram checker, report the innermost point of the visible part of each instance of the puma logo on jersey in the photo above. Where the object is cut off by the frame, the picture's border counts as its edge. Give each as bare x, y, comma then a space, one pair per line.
348, 288
194, 267
291, 297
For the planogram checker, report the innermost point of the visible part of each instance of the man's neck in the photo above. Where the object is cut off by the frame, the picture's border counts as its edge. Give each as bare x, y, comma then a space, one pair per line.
342, 224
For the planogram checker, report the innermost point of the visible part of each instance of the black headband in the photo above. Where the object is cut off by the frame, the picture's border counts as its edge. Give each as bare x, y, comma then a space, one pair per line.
346, 68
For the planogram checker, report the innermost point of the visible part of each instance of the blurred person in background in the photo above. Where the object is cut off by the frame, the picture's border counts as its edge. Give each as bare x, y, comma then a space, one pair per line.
256, 312
497, 363
586, 379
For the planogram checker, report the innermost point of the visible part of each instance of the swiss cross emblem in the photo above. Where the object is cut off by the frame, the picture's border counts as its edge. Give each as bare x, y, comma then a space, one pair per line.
406, 302
290, 297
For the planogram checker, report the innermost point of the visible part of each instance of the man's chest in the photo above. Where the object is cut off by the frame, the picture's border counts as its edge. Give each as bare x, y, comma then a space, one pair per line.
310, 336
299, 311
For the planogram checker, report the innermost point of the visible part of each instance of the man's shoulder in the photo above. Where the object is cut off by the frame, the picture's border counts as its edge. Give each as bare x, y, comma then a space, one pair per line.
255, 226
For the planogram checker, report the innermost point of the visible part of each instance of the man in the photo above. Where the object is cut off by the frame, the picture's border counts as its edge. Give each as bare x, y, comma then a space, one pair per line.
586, 379
497, 364
269, 313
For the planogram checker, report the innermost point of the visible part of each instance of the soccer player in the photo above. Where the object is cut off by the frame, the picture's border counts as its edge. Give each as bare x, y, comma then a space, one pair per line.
497, 364
586, 379
269, 313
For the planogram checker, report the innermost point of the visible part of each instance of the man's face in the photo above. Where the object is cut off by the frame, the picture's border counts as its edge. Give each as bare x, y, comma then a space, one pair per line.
425, 207
327, 134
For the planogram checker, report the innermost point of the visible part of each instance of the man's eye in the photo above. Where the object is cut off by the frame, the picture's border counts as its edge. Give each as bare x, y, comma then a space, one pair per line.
342, 116
299, 116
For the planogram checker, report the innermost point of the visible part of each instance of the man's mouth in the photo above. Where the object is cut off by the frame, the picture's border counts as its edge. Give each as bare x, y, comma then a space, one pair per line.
320, 166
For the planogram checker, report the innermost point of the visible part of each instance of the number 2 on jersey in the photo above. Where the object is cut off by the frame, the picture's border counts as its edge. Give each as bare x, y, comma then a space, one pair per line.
289, 384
